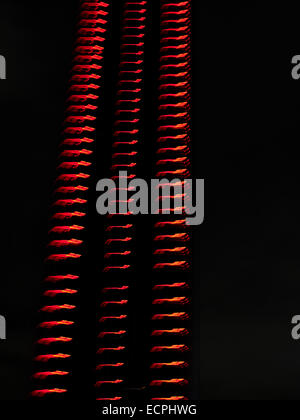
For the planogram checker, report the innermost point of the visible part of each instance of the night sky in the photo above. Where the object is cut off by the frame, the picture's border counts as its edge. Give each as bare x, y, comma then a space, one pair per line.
245, 138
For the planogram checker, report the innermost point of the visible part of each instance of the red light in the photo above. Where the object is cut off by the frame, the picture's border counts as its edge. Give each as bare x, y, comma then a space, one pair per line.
183, 265
179, 250
70, 190
176, 315
175, 237
72, 177
175, 331
180, 381
54, 308
62, 257
89, 40
45, 375
105, 349
68, 215
93, 5
44, 392
112, 318
177, 300
120, 302
110, 241
181, 222
120, 267
104, 365
91, 22
108, 333
82, 98
69, 242
53, 293
69, 202
180, 398
170, 286
115, 289
116, 382
171, 364
65, 229
52, 340
76, 153
74, 165
91, 31
110, 228
55, 279
52, 324
178, 172
178, 347
47, 357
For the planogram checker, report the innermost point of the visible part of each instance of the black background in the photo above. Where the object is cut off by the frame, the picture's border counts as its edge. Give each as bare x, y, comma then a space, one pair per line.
246, 113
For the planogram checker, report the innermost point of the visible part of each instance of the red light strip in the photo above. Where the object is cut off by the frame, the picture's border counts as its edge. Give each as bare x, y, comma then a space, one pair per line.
72, 184
171, 241
119, 251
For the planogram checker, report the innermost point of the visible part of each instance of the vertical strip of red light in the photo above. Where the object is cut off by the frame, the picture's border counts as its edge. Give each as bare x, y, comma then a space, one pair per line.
120, 244
68, 223
171, 302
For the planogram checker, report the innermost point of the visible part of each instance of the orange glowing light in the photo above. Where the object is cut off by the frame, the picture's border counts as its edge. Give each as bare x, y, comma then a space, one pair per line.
104, 365
44, 392
52, 340
54, 308
179, 381
178, 300
170, 364
53, 293
54, 279
45, 375
175, 315
116, 382
51, 324
47, 357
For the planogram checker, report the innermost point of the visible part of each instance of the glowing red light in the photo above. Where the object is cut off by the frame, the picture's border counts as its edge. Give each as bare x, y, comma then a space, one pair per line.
63, 257
179, 398
55, 279
47, 357
176, 347
179, 381
54, 308
68, 242
182, 265
177, 300
52, 340
52, 324
44, 392
45, 375
116, 382
112, 318
104, 365
105, 349
111, 333
53, 293
65, 229
175, 315
171, 364
119, 302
